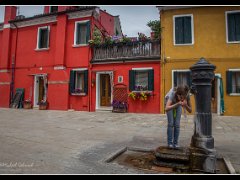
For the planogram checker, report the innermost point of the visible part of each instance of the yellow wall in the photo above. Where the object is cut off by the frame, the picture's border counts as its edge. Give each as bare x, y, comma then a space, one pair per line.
209, 42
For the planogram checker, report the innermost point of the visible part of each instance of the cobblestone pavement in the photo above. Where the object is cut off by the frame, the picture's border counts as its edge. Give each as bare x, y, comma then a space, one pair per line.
63, 142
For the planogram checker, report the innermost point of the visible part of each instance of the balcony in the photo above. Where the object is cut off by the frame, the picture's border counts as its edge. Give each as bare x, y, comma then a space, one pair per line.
138, 50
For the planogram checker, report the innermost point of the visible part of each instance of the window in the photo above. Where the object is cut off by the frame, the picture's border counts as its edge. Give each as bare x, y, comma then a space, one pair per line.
183, 30
82, 33
233, 82
181, 78
53, 9
79, 82
141, 80
43, 37
233, 26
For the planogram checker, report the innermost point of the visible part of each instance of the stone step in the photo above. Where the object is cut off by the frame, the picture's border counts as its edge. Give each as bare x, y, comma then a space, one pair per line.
168, 155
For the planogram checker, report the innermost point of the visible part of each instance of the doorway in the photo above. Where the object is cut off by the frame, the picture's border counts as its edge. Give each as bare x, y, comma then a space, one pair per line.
215, 102
40, 89
104, 81
105, 90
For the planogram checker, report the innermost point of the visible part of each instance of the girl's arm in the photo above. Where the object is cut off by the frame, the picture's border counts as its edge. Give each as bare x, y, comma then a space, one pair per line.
169, 106
187, 105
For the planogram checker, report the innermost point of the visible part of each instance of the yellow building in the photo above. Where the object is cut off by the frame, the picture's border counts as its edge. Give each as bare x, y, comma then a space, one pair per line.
189, 33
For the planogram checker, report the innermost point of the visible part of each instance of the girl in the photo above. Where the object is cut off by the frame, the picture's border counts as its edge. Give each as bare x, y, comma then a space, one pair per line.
176, 99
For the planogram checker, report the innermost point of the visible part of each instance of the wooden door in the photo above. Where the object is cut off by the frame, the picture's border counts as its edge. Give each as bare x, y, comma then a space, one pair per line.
41, 89
214, 96
105, 90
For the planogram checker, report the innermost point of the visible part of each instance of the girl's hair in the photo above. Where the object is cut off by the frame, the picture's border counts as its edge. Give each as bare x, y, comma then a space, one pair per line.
182, 90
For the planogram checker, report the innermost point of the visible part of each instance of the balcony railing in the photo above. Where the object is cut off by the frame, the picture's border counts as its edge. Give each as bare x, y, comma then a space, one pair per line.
126, 51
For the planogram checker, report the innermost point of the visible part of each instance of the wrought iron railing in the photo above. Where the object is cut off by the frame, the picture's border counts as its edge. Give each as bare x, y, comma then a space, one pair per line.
129, 50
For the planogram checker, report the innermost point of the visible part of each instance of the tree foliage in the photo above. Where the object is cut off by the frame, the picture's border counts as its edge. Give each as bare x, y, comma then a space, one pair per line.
155, 27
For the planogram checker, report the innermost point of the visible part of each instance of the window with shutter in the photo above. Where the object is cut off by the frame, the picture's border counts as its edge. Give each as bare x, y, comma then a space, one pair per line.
181, 78
79, 82
233, 81
43, 37
183, 29
53, 9
141, 80
82, 33
233, 26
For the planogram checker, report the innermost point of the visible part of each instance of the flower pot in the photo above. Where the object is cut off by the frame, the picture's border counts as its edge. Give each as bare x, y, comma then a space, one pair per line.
27, 105
43, 106
119, 110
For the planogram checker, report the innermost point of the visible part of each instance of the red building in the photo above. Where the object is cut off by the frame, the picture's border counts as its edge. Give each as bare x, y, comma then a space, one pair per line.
48, 55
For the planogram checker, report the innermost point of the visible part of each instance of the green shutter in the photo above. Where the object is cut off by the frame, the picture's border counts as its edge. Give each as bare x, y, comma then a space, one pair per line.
78, 35
231, 27
187, 30
222, 107
178, 30
229, 82
88, 32
72, 81
86, 81
237, 21
175, 78
131, 80
151, 80
47, 37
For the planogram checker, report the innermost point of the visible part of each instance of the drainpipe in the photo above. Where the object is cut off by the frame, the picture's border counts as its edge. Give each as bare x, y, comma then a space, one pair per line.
13, 66
90, 68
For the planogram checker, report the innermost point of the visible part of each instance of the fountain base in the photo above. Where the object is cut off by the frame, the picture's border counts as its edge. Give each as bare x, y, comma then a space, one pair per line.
162, 160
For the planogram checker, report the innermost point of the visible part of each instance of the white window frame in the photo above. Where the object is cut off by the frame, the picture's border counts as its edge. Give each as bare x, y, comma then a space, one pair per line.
75, 34
37, 46
234, 70
178, 70
192, 28
226, 20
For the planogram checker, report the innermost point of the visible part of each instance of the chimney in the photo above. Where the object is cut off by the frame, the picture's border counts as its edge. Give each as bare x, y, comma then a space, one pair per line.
46, 9
10, 13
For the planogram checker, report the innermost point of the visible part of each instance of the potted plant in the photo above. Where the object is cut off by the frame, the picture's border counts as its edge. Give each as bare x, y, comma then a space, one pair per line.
27, 104
43, 105
142, 95
119, 106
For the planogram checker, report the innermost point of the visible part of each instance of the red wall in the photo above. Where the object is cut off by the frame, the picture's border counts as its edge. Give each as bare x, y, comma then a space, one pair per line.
27, 55
152, 105
1, 43
107, 21
75, 56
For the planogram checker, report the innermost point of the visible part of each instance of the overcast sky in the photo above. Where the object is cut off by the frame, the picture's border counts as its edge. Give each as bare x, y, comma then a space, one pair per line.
133, 18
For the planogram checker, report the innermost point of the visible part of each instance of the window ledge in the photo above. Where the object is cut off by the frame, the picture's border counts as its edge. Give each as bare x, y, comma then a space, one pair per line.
78, 94
142, 91
42, 49
233, 42
79, 45
188, 44
234, 94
